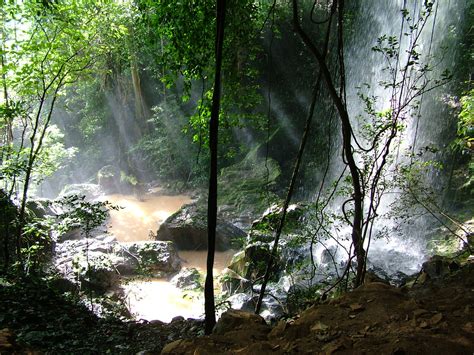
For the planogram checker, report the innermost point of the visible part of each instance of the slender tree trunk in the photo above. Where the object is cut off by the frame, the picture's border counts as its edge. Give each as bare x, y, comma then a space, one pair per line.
8, 128
140, 105
291, 187
209, 306
33, 155
5, 211
296, 167
141, 109
358, 195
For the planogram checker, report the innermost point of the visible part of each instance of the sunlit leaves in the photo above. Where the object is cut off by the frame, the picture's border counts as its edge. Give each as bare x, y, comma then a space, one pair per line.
87, 215
465, 131
45, 48
185, 54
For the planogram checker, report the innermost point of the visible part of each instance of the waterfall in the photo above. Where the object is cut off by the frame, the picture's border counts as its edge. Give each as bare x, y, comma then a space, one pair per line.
403, 247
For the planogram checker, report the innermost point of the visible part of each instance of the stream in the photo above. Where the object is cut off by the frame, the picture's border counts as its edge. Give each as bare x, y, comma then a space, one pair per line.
137, 218
158, 299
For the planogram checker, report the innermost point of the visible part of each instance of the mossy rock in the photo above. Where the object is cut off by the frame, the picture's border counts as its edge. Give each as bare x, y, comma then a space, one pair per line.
188, 279
95, 271
187, 228
271, 218
90, 191
251, 262
157, 257
108, 178
249, 185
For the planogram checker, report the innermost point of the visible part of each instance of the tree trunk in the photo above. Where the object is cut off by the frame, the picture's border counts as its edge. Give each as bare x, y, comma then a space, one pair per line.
40, 130
209, 306
358, 196
141, 109
8, 128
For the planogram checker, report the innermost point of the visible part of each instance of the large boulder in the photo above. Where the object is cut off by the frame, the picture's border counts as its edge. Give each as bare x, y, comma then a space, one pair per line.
246, 188
233, 283
88, 262
265, 226
98, 262
246, 267
95, 270
90, 191
41, 207
187, 228
242, 301
251, 262
439, 266
187, 279
108, 178
160, 258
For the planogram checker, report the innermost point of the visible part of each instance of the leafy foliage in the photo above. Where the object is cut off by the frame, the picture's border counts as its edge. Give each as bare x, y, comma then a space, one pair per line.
165, 149
83, 214
465, 133
187, 54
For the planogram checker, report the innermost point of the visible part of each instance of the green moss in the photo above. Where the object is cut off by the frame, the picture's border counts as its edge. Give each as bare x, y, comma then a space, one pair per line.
444, 246
270, 220
251, 262
457, 246
248, 185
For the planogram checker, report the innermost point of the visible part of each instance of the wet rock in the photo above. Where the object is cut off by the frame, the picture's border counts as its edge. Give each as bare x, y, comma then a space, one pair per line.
95, 270
235, 320
400, 278
188, 229
271, 217
41, 207
158, 257
251, 262
187, 279
108, 178
90, 191
328, 255
240, 187
126, 263
242, 301
233, 283
292, 256
98, 244
73, 234
98, 262
72, 257
439, 266
386, 262
272, 308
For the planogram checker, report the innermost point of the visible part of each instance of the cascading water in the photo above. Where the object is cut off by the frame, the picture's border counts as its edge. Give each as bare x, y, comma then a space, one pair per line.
402, 247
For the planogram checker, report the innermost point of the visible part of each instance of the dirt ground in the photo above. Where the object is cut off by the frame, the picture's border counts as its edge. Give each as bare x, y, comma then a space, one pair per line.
434, 316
